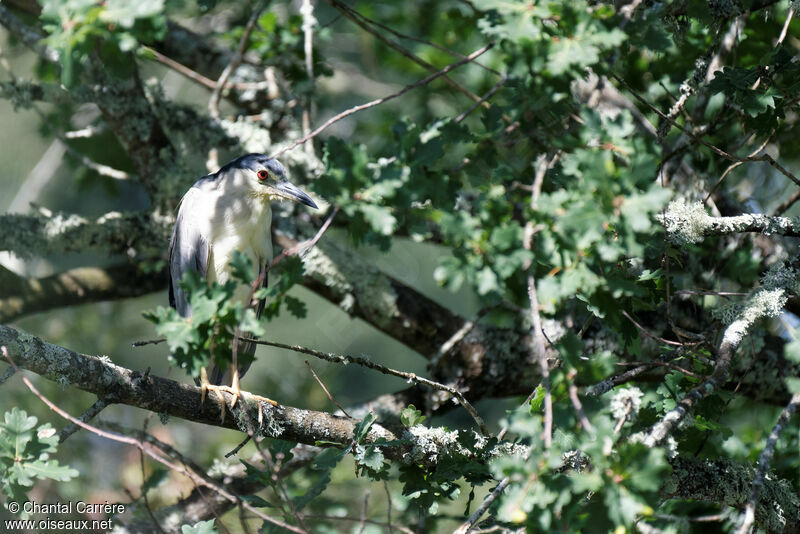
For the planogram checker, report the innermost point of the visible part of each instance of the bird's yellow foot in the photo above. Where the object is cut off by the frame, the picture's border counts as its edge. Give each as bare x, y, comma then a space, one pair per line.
233, 389
237, 393
206, 386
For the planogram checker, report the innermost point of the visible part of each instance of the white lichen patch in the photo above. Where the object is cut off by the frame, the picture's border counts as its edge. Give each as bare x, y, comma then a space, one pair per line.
225, 467
766, 301
431, 443
251, 136
625, 403
685, 223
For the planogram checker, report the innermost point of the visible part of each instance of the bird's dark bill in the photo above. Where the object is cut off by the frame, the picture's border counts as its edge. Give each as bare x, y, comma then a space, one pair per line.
292, 192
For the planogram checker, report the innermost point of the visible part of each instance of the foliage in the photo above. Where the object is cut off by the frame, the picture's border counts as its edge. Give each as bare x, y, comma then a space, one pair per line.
77, 27
25, 451
218, 316
546, 197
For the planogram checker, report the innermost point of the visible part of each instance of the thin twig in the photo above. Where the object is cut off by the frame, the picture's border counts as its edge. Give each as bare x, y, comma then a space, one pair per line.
529, 398
457, 337
621, 420
785, 28
195, 477
237, 448
204, 80
348, 12
144, 496
788, 203
361, 107
576, 403
763, 463
416, 39
537, 334
733, 166
98, 406
730, 157
487, 502
610, 383
483, 99
643, 330
84, 133
236, 60
663, 364
99, 168
328, 393
363, 524
388, 506
411, 377
277, 483
308, 244
307, 11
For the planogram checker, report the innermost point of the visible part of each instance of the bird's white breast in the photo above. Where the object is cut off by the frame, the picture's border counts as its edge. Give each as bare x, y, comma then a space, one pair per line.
232, 218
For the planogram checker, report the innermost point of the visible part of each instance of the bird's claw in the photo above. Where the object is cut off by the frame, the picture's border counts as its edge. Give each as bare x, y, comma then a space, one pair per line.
205, 386
233, 389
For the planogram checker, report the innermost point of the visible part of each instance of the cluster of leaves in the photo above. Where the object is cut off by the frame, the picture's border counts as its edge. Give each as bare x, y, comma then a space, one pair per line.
597, 252
589, 236
79, 28
368, 458
221, 311
460, 186
25, 451
280, 44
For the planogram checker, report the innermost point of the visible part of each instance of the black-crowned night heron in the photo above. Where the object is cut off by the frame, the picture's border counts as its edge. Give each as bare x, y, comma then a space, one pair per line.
224, 212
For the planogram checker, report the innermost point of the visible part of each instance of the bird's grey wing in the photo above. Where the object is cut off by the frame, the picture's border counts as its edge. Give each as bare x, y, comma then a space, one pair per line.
188, 250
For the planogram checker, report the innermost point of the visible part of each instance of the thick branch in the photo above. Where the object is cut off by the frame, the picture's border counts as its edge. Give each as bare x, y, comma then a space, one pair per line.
160, 395
489, 361
727, 483
117, 384
24, 33
766, 301
114, 232
76, 286
689, 223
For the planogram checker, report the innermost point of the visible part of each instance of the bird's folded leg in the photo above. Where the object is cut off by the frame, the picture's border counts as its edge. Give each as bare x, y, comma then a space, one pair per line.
205, 386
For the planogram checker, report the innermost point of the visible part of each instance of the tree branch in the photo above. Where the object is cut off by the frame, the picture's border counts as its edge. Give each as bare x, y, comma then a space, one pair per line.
116, 384
57, 233
77, 286
764, 460
689, 223
766, 301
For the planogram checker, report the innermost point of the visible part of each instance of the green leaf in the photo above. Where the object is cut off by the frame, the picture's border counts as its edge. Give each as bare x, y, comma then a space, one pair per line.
410, 416
370, 457
537, 402
25, 455
362, 427
328, 458
313, 492
203, 527
242, 268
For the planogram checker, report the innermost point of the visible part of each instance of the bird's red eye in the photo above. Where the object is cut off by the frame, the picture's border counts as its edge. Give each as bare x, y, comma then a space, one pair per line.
263, 175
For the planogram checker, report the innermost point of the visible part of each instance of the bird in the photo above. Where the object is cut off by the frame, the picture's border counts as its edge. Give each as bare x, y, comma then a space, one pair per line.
221, 213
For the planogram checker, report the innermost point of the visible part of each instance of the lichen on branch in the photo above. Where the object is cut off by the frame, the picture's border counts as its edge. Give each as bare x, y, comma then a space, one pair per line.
688, 223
